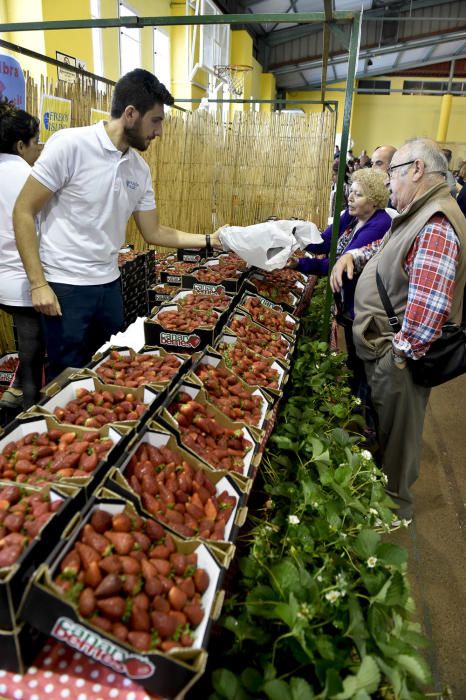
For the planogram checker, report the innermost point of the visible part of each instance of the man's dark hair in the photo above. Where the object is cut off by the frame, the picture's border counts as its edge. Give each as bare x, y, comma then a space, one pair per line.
140, 89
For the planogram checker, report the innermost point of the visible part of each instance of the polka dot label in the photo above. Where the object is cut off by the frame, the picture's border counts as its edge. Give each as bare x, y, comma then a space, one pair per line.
32, 670
95, 674
96, 687
33, 683
47, 661
114, 693
48, 674
61, 651
64, 678
2, 688
49, 688
2, 673
78, 669
17, 678
111, 677
63, 664
18, 694
82, 696
65, 693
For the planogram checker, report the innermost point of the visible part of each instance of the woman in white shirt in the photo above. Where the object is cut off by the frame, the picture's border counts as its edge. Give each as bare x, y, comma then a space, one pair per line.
19, 149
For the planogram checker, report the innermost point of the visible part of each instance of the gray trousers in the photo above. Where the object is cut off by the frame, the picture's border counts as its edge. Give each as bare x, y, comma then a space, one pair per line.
400, 406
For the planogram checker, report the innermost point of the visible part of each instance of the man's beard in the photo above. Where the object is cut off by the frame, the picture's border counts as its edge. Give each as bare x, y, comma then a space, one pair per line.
134, 138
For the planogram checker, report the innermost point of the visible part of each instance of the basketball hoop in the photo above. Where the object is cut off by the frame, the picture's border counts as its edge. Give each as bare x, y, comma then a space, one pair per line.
233, 75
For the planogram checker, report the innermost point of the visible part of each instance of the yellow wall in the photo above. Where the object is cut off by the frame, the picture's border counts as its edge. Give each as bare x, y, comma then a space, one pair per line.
268, 90
22, 11
74, 42
395, 118
338, 97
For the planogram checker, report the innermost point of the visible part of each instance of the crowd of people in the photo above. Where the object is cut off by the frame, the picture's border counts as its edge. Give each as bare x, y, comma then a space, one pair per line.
420, 261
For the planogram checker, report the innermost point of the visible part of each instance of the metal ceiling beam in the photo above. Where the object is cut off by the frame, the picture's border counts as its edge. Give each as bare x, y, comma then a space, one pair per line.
325, 46
137, 22
373, 73
371, 52
284, 35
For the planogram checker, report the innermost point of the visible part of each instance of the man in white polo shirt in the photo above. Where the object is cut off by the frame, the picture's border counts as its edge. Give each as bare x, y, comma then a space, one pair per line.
86, 184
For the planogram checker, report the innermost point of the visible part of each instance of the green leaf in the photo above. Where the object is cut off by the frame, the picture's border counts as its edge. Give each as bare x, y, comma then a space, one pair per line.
325, 648
252, 680
340, 436
277, 690
415, 666
366, 680
391, 673
343, 475
391, 554
285, 577
283, 442
300, 689
366, 543
225, 683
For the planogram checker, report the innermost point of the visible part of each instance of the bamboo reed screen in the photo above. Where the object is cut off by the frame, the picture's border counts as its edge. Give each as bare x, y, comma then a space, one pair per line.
207, 175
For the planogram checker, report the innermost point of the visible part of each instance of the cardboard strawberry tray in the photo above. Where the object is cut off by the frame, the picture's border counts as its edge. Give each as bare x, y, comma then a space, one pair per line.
169, 334
224, 389
173, 486
153, 366
52, 453
19, 648
206, 432
212, 276
256, 370
102, 615
28, 538
88, 402
272, 316
8, 365
191, 255
260, 339
159, 294
289, 299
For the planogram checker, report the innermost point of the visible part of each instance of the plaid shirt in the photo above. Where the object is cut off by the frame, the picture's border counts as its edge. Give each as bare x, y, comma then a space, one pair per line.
431, 267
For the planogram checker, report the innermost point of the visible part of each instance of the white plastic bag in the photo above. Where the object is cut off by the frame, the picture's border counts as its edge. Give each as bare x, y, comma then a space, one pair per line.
268, 245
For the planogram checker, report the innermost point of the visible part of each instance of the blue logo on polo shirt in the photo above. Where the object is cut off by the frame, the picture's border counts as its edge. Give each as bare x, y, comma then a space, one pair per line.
132, 185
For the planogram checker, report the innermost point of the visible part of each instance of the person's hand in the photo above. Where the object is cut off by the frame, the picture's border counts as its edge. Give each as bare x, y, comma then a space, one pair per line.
45, 302
344, 264
215, 238
291, 265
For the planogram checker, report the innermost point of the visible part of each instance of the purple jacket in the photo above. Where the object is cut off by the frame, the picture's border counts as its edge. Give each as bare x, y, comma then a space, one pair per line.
371, 231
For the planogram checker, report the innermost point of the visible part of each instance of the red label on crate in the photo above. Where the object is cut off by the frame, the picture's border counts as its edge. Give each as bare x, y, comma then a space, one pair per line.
173, 279
103, 650
181, 339
191, 258
208, 288
6, 376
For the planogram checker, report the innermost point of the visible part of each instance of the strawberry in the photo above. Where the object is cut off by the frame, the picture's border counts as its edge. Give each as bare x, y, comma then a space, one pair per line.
113, 607
194, 613
164, 624
87, 602
122, 541
101, 521
177, 598
110, 585
141, 641
201, 580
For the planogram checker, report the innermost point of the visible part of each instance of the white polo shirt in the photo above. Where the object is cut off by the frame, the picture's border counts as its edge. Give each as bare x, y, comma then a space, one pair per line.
97, 188
14, 285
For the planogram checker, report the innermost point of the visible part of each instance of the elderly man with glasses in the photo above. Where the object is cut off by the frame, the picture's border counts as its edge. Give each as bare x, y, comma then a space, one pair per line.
421, 261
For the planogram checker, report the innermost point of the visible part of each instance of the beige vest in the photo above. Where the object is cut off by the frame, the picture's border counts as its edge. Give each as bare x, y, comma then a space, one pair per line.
371, 330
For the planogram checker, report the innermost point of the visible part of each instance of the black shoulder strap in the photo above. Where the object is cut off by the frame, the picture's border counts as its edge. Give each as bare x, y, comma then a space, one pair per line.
389, 310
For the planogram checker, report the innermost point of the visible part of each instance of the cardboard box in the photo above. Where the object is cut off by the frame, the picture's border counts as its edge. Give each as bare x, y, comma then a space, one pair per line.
282, 369
191, 255
158, 294
251, 459
277, 308
8, 365
285, 339
118, 434
19, 648
222, 284
184, 293
156, 435
213, 358
15, 579
160, 386
165, 674
57, 397
295, 294
189, 341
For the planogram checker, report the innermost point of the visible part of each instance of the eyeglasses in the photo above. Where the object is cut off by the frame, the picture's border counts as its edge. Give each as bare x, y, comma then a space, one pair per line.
400, 165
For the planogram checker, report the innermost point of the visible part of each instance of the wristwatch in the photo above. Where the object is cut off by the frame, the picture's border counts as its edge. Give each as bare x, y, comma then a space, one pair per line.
399, 360
208, 245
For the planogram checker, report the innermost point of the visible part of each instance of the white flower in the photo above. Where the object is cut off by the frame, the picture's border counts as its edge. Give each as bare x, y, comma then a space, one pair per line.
373, 511
365, 454
405, 523
358, 402
317, 366
314, 504
373, 477
334, 354
384, 479
371, 562
343, 535
293, 520
332, 596
340, 580
319, 578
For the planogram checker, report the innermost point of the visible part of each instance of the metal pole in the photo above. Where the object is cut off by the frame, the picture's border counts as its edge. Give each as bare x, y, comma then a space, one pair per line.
352, 63
137, 22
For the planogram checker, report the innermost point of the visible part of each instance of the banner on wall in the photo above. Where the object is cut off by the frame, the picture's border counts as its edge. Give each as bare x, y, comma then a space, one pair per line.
55, 114
69, 76
12, 84
97, 115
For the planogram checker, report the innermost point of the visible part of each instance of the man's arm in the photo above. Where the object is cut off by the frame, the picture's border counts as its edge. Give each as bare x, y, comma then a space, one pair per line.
352, 262
32, 198
155, 233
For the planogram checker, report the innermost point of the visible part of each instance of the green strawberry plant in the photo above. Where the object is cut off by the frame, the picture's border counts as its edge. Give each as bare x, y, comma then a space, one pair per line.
321, 606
